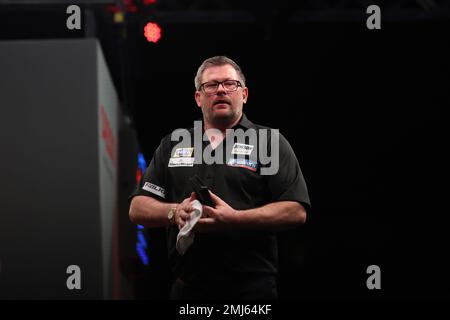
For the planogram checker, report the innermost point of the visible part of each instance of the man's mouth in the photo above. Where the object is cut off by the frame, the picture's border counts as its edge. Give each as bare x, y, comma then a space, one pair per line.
221, 102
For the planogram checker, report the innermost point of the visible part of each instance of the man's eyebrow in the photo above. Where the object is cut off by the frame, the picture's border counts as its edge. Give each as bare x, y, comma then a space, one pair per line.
221, 80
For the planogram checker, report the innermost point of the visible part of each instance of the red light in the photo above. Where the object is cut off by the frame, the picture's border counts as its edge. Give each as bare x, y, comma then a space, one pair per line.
132, 9
128, 4
148, 2
152, 32
138, 175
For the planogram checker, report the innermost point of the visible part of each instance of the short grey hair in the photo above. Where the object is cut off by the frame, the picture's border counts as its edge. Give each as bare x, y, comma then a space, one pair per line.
217, 61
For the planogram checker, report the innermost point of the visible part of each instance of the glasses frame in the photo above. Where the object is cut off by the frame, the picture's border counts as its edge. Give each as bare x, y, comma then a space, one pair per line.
218, 83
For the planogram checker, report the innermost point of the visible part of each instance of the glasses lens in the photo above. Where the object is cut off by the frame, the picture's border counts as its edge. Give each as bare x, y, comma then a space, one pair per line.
210, 87
230, 85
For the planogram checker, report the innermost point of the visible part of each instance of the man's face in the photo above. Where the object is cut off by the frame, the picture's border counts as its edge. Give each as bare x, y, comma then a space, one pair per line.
221, 106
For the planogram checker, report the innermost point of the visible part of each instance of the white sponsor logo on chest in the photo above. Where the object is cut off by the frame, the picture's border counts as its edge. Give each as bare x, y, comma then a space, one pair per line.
183, 152
243, 163
181, 162
240, 148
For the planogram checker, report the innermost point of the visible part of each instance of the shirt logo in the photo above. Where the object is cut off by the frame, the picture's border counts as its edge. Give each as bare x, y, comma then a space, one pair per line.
153, 188
243, 163
183, 152
240, 148
181, 162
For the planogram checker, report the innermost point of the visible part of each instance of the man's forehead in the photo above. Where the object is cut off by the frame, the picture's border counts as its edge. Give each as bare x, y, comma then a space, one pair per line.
219, 73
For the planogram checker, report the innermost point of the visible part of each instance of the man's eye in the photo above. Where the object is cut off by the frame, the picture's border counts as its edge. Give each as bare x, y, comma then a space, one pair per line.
210, 85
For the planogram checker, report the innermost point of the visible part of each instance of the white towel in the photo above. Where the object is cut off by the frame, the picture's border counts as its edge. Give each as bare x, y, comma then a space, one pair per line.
185, 236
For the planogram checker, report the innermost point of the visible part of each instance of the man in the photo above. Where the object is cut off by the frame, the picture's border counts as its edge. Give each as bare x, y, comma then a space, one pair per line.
234, 252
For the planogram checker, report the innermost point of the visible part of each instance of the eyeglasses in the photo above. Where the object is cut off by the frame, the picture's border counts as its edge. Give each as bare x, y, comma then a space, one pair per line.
213, 86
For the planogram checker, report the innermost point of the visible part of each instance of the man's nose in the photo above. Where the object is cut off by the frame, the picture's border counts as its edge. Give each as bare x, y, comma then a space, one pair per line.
221, 89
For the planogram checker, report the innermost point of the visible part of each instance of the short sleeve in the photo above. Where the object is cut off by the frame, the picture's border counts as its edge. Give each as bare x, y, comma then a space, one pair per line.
288, 183
153, 181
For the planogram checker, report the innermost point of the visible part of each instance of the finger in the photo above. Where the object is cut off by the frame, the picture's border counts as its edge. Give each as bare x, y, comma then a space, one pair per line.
184, 216
205, 225
209, 211
206, 221
215, 198
187, 208
185, 201
179, 222
193, 197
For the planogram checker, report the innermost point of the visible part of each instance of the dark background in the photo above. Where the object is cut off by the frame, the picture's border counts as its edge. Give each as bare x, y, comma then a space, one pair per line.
363, 110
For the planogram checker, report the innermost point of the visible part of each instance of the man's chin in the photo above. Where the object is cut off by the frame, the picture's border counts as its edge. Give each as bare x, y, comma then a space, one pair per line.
222, 113
221, 116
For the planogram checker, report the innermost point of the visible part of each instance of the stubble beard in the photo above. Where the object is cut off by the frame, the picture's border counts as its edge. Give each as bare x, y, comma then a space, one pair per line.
223, 121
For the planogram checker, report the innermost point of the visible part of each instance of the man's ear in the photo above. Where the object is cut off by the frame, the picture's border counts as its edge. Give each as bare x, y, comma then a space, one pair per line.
245, 94
197, 98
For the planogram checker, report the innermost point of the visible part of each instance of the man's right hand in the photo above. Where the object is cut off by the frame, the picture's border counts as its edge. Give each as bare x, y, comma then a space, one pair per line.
183, 211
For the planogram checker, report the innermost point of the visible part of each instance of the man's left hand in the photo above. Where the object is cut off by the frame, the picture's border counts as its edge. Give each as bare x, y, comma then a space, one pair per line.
216, 219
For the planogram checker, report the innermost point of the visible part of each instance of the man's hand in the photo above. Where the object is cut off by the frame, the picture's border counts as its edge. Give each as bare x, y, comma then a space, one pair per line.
216, 219
274, 216
183, 211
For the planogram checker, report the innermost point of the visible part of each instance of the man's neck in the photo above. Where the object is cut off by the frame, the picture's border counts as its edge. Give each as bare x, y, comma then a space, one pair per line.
221, 126
214, 137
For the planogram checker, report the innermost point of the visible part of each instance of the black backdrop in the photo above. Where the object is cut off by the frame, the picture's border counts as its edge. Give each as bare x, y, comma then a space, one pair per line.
363, 111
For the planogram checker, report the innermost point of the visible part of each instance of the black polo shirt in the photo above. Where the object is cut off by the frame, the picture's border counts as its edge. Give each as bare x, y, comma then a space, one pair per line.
223, 255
